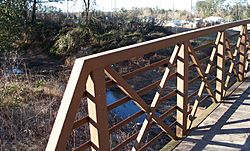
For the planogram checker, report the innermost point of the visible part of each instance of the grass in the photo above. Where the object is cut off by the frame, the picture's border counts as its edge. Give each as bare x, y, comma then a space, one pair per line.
27, 111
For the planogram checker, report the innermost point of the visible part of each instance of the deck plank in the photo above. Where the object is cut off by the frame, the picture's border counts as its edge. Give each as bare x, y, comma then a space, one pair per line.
227, 128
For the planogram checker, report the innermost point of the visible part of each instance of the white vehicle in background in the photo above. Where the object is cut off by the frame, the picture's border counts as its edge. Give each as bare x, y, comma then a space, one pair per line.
212, 20
173, 23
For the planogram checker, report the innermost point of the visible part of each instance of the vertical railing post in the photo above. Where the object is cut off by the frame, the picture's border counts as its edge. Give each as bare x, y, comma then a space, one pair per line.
247, 52
182, 90
73, 94
247, 58
242, 53
221, 49
97, 109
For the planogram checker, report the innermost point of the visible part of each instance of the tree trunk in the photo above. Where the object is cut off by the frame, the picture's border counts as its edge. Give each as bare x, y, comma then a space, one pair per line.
87, 8
25, 13
33, 17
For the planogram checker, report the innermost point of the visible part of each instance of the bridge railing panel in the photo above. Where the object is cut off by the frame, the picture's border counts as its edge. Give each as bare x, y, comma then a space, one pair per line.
178, 87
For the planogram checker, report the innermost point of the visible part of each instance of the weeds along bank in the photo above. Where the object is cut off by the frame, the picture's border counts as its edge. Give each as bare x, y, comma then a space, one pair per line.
28, 108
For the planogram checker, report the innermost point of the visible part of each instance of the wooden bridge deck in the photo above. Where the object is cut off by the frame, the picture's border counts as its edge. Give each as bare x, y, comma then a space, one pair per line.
226, 128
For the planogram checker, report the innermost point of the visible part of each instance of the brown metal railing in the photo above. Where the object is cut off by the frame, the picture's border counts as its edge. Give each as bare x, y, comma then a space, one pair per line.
93, 75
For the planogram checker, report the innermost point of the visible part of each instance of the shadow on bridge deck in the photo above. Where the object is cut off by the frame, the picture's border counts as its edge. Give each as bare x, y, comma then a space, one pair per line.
227, 128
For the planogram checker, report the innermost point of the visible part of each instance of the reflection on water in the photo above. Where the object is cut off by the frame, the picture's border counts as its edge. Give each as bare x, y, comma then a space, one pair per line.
13, 71
125, 110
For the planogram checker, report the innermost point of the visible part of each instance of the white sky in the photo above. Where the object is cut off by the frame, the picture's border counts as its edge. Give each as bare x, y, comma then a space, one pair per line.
167, 4
107, 5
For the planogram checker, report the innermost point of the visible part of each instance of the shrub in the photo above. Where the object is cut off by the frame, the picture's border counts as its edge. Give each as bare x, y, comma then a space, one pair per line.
71, 42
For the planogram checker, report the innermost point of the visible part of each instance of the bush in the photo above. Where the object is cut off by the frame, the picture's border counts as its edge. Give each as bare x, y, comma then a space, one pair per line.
71, 42
13, 94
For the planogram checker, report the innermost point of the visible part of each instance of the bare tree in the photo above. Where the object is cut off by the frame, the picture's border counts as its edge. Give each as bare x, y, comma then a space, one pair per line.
33, 15
87, 6
34, 7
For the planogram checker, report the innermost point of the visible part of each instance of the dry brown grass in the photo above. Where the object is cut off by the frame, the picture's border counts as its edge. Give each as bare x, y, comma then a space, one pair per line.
27, 111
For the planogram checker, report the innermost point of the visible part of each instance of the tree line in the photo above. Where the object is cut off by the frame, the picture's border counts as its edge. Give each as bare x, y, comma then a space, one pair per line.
20, 19
236, 10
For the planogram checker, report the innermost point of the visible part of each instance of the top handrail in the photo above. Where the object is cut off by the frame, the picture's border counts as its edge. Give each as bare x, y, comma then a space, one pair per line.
120, 54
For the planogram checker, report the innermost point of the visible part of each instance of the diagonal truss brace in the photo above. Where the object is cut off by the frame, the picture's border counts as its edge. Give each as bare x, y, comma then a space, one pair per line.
152, 116
232, 68
205, 82
126, 88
